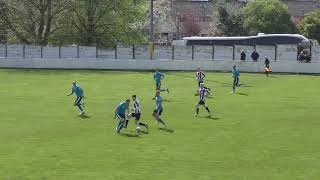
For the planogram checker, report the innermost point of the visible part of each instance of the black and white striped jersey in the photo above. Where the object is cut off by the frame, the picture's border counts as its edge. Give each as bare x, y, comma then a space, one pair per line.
202, 93
200, 76
136, 106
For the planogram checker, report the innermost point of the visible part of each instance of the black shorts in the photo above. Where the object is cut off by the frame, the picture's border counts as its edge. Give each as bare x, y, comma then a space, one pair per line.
158, 111
235, 81
78, 100
199, 82
201, 103
136, 116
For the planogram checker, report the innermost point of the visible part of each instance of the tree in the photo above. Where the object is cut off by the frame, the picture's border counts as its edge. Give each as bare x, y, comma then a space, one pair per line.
33, 21
189, 24
310, 25
3, 23
230, 25
105, 22
267, 16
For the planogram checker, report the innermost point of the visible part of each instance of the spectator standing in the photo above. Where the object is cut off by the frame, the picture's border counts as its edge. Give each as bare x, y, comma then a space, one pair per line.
243, 55
301, 57
255, 56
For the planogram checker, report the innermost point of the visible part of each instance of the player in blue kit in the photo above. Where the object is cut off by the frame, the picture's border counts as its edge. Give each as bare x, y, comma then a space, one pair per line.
79, 93
158, 76
235, 75
121, 113
159, 109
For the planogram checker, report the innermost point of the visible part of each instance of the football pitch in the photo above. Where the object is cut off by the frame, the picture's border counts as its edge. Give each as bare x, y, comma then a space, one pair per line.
269, 130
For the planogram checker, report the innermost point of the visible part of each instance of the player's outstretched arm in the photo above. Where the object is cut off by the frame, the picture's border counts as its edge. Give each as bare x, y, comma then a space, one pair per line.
115, 113
70, 93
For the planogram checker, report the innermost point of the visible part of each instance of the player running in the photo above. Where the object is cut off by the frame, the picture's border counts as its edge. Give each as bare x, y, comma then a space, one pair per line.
235, 74
158, 76
136, 113
200, 76
120, 113
79, 93
202, 95
159, 109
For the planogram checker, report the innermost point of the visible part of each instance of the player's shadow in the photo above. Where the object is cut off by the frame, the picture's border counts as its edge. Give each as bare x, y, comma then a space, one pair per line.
209, 117
130, 135
84, 116
167, 100
242, 94
166, 130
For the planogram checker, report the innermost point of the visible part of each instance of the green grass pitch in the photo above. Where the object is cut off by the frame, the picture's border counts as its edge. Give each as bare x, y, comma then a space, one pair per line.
270, 130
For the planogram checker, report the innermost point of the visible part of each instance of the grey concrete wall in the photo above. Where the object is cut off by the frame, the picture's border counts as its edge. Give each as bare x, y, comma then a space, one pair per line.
87, 52
203, 52
106, 53
2, 50
315, 54
14, 50
162, 52
142, 52
50, 52
32, 51
182, 52
124, 52
69, 52
284, 52
279, 66
223, 52
269, 51
287, 52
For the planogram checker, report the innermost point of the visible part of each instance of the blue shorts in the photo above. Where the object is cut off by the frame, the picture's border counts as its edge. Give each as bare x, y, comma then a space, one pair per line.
121, 117
78, 100
158, 85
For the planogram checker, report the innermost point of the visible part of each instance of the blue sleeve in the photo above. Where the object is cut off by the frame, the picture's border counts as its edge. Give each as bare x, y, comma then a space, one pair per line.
72, 91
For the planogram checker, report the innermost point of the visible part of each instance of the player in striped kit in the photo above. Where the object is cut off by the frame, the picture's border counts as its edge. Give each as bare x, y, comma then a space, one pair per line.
202, 95
200, 76
136, 113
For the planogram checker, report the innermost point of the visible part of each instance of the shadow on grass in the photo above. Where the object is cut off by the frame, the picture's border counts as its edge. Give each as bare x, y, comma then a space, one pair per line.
84, 116
167, 100
130, 135
209, 117
242, 94
166, 130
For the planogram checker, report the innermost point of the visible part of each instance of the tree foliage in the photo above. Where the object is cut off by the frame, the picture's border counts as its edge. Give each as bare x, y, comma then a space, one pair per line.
33, 21
189, 26
105, 22
83, 22
310, 25
268, 16
230, 25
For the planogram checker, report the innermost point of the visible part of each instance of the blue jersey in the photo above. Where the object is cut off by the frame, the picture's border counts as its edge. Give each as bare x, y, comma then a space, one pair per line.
235, 73
78, 90
159, 102
122, 108
157, 76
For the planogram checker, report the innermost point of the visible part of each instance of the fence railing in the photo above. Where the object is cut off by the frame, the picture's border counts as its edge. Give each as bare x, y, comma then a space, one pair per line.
158, 52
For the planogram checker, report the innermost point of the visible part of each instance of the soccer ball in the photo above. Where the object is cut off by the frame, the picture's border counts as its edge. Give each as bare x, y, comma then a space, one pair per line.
138, 130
